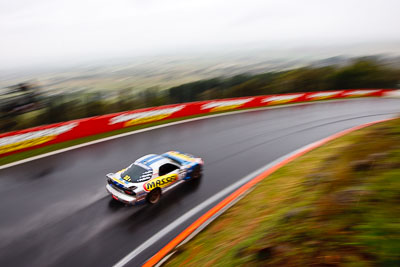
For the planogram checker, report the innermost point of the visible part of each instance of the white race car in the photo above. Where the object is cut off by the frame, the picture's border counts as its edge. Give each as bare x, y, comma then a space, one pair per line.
151, 175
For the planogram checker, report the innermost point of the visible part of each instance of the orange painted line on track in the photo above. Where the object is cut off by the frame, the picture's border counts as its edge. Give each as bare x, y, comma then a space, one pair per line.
196, 224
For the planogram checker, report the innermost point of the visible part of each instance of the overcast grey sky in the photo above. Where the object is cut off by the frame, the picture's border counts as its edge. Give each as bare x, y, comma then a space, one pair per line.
41, 31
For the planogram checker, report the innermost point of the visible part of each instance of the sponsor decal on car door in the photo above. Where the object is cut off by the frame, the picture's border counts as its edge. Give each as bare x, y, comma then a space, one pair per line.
161, 182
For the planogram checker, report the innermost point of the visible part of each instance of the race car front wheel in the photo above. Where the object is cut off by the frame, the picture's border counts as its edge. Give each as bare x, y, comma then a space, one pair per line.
154, 196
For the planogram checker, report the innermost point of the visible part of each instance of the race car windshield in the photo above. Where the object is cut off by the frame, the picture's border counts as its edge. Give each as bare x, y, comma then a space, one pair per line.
137, 174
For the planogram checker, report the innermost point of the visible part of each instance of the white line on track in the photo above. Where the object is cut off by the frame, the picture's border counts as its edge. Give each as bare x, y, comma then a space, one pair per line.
160, 126
162, 233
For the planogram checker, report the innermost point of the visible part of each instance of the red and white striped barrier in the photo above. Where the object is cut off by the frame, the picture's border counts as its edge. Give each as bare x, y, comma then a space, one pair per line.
18, 141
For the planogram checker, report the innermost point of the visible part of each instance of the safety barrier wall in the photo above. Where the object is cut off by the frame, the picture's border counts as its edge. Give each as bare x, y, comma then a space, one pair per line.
18, 141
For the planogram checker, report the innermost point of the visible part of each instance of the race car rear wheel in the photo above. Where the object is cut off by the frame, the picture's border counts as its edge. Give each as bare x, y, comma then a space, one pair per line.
154, 196
196, 174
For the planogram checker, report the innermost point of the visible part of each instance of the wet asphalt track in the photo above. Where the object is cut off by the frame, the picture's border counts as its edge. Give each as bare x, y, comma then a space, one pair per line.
55, 211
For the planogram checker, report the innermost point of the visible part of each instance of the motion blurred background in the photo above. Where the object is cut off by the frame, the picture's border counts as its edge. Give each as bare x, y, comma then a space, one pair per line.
63, 60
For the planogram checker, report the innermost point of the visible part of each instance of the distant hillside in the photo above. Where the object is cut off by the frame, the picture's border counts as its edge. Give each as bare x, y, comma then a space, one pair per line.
366, 72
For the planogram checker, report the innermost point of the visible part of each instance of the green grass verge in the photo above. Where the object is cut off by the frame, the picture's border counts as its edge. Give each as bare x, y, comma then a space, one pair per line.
338, 205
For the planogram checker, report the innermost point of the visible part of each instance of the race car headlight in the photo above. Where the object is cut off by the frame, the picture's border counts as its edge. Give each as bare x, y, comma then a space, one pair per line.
132, 188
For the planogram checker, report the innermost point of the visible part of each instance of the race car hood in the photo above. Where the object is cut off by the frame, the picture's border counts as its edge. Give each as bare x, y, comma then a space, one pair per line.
116, 179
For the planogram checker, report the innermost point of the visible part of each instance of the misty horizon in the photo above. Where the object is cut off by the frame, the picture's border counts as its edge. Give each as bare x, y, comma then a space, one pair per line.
47, 33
